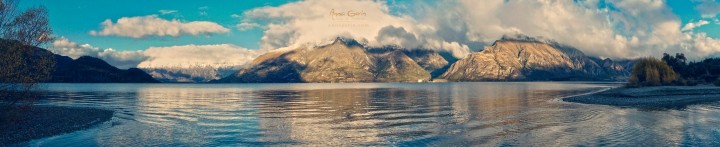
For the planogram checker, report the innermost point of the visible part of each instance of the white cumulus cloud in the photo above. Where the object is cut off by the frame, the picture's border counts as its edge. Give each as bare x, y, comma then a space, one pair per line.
316, 21
152, 25
693, 25
634, 28
65, 47
247, 26
609, 28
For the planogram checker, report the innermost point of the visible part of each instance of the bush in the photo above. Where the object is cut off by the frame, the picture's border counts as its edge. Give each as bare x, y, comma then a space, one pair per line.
680, 82
685, 82
651, 72
692, 82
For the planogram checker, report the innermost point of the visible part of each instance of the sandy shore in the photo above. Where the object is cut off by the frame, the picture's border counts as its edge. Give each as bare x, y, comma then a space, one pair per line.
664, 96
19, 125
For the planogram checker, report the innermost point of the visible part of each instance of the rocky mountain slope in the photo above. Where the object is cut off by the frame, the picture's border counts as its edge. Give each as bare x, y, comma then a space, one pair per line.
509, 59
512, 59
341, 61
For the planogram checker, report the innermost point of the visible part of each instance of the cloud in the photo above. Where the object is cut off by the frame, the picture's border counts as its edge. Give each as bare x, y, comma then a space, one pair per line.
152, 25
247, 26
693, 25
203, 10
708, 8
65, 47
64, 43
120, 59
219, 55
582, 24
316, 21
166, 12
397, 36
607, 28
702, 44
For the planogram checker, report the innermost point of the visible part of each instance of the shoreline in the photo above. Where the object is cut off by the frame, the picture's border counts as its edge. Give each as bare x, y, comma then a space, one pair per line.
661, 96
25, 124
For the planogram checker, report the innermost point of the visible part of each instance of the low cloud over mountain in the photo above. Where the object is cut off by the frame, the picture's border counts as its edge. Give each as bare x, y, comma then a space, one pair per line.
612, 28
218, 55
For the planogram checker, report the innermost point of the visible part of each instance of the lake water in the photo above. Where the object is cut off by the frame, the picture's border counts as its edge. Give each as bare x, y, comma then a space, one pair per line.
375, 114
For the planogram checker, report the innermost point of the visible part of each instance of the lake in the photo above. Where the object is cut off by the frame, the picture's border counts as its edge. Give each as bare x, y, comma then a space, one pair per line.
373, 114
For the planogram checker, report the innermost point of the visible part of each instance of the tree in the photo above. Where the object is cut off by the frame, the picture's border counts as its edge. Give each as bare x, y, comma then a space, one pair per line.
679, 64
23, 63
8, 9
651, 72
706, 71
31, 27
652, 76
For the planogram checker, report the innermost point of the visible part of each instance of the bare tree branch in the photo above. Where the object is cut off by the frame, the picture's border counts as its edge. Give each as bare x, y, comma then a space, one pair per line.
23, 64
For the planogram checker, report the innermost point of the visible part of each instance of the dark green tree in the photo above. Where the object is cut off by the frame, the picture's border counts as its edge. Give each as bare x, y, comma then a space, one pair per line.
678, 63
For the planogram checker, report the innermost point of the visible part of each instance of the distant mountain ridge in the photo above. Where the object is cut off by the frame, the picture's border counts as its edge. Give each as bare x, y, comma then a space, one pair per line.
198, 74
88, 69
528, 59
339, 62
512, 58
85, 69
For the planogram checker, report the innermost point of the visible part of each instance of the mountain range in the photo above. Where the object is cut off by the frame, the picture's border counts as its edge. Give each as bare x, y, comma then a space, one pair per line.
341, 61
512, 58
88, 69
193, 74
521, 58
85, 69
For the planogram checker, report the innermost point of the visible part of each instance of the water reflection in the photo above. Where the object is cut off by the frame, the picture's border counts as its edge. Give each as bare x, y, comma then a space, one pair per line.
374, 114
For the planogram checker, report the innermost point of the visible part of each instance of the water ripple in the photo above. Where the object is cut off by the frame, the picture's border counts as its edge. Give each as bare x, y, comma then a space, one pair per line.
428, 114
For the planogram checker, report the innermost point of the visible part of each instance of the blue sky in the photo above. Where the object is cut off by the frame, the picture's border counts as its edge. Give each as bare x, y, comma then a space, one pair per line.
685, 9
605, 28
74, 19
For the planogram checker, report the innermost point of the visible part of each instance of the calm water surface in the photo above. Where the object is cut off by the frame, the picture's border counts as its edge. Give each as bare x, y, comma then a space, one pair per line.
395, 114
